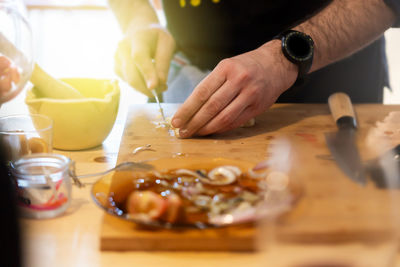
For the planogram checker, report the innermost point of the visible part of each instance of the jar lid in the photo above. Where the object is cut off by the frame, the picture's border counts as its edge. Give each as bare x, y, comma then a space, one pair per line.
38, 164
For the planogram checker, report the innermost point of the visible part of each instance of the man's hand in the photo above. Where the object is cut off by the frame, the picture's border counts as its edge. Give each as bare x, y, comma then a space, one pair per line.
9, 75
237, 90
244, 86
143, 58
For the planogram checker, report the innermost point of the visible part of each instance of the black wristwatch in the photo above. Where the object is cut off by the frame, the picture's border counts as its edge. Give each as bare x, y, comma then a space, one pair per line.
298, 48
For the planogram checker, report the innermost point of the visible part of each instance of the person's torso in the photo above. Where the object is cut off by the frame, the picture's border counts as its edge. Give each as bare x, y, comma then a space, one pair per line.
208, 31
223, 28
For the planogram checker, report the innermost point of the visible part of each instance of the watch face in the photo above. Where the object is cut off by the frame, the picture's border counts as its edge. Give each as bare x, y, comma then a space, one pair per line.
298, 46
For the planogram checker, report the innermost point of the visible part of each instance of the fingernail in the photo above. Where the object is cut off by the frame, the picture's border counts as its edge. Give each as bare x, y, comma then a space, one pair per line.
176, 123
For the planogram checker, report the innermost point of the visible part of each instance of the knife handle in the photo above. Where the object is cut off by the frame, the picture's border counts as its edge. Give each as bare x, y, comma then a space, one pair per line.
342, 110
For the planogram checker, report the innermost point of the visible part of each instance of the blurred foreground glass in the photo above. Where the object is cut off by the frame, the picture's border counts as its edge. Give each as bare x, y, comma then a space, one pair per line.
25, 134
337, 222
16, 50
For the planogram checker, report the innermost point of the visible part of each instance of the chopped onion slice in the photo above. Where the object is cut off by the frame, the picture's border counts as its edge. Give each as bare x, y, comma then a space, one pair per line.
233, 169
257, 174
142, 148
223, 175
188, 173
260, 170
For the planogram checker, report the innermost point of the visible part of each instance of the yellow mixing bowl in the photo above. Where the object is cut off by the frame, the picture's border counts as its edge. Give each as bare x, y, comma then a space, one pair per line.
80, 123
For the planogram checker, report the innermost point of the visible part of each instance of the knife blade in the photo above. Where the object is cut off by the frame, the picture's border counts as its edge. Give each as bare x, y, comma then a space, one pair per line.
159, 105
342, 143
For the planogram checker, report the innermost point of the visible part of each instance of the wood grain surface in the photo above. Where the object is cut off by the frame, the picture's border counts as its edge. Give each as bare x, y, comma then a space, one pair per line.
332, 209
74, 239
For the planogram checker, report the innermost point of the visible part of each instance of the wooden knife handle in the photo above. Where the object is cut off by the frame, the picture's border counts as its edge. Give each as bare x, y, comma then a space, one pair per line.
342, 110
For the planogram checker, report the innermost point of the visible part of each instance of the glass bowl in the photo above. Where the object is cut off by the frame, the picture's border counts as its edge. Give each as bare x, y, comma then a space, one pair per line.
217, 202
16, 49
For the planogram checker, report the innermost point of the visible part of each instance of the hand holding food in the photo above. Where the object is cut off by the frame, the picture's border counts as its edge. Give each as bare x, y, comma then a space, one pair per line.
237, 90
143, 58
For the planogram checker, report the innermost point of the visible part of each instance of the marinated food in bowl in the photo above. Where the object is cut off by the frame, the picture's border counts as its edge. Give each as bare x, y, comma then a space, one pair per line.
199, 196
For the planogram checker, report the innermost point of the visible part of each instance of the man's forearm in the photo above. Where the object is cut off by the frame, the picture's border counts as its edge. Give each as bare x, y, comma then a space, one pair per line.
133, 13
344, 27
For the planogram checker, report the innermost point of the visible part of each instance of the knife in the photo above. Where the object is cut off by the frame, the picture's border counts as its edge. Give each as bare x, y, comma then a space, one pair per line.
342, 143
159, 105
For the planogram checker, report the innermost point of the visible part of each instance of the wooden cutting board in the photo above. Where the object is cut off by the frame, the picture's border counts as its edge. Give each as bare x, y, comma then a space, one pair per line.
332, 208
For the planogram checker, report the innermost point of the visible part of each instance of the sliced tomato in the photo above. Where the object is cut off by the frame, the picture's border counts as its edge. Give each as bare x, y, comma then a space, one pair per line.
174, 208
146, 203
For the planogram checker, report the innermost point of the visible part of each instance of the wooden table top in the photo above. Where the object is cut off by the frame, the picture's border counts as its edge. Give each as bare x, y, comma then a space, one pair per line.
73, 238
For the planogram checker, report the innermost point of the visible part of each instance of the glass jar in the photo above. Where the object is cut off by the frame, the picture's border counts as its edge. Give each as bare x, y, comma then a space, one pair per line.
43, 184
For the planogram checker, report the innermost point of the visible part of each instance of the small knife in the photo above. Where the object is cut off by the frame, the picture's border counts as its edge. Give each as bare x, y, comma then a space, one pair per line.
159, 105
342, 143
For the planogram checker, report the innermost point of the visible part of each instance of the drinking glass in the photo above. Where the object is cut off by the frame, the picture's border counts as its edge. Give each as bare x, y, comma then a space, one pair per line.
337, 222
25, 134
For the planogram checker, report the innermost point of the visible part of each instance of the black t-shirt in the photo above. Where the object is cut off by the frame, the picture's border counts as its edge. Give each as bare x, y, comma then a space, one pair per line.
209, 30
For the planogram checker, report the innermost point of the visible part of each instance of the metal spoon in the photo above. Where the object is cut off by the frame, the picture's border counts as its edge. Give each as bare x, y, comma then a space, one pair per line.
124, 166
